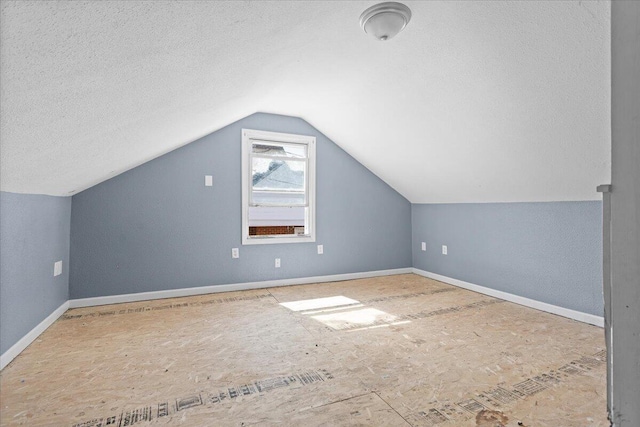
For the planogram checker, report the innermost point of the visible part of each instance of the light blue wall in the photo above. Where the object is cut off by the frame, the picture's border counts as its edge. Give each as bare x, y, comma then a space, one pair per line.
157, 226
550, 252
34, 233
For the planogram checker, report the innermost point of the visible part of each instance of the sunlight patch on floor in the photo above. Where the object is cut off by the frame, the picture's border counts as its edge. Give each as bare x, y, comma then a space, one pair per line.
319, 303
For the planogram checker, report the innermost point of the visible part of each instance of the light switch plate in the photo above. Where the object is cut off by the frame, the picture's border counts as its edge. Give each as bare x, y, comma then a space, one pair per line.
424, 246
208, 180
57, 268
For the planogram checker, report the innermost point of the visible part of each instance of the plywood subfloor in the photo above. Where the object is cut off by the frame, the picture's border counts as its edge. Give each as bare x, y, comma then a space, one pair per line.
389, 351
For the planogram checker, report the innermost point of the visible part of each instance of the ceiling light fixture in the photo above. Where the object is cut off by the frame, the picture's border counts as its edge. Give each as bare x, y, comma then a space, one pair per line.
384, 20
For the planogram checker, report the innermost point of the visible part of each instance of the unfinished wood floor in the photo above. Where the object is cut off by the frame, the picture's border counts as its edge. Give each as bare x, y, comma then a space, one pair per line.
388, 351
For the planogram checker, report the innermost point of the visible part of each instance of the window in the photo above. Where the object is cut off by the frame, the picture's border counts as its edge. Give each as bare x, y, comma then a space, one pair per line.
278, 188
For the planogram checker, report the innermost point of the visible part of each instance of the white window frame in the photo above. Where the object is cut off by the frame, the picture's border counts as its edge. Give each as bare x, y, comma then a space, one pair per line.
248, 137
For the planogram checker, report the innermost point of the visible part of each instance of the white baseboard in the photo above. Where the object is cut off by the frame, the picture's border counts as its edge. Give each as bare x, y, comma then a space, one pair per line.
31, 336
538, 305
24, 342
174, 293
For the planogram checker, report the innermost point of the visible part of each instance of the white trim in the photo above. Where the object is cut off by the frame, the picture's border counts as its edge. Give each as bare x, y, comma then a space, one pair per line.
250, 135
24, 342
527, 302
31, 336
277, 239
174, 293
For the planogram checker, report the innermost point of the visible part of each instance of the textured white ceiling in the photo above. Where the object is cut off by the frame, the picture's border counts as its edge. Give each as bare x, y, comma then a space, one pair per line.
473, 102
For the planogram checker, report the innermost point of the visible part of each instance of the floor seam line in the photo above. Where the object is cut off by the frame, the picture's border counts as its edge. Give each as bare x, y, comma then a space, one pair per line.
342, 400
273, 296
392, 408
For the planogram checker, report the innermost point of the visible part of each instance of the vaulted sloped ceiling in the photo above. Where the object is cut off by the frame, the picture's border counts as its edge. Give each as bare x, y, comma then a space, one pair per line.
473, 102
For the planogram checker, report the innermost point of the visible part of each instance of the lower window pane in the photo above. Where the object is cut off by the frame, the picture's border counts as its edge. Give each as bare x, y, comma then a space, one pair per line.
277, 198
272, 221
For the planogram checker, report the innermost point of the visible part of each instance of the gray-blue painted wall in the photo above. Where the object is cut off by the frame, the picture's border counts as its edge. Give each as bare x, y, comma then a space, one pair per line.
549, 252
34, 233
157, 226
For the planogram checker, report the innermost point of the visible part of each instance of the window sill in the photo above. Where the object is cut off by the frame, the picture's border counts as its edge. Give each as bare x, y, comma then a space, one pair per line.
275, 240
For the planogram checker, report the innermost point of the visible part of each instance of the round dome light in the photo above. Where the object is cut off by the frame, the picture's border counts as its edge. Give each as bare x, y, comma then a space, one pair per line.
383, 21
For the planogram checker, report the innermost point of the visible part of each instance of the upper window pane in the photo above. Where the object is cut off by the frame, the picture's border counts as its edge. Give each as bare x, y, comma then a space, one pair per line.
279, 150
282, 175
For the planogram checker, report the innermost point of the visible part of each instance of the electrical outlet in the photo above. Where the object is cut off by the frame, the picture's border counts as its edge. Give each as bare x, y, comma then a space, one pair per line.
277, 262
57, 268
208, 180
320, 249
424, 246
444, 249
235, 253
